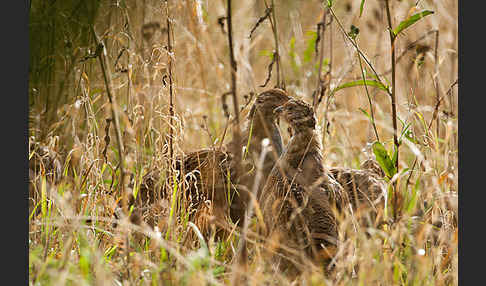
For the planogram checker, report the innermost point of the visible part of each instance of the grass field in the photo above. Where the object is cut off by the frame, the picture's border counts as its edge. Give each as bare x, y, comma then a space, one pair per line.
83, 153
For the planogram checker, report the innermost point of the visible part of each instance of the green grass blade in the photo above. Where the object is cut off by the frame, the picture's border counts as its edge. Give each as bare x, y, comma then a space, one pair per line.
43, 197
361, 82
109, 253
394, 157
249, 139
404, 131
361, 7
172, 208
413, 200
34, 210
137, 184
410, 21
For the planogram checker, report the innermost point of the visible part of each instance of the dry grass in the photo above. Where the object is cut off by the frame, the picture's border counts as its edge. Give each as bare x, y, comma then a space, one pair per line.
75, 182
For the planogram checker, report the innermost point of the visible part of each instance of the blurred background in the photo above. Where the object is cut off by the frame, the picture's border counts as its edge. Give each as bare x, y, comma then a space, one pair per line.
136, 41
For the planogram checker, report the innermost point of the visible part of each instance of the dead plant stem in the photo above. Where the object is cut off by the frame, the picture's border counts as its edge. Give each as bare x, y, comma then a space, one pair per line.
321, 59
273, 24
171, 94
236, 133
394, 107
372, 114
436, 79
114, 112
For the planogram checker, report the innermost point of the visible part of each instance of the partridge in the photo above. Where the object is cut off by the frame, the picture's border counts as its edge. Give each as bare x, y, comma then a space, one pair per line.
295, 199
207, 176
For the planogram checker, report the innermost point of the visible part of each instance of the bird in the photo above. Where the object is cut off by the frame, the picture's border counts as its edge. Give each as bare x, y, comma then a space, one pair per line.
207, 177
364, 187
216, 182
295, 199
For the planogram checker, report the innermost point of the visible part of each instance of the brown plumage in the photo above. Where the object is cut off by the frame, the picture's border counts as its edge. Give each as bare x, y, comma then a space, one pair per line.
373, 168
363, 187
151, 203
150, 206
295, 198
208, 174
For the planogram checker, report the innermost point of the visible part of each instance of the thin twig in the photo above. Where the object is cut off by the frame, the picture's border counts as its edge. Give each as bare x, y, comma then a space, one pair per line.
273, 24
378, 77
131, 42
436, 109
326, 120
261, 19
393, 106
107, 138
114, 112
270, 66
236, 132
393, 86
321, 29
281, 83
369, 98
171, 94
411, 172
221, 23
436, 82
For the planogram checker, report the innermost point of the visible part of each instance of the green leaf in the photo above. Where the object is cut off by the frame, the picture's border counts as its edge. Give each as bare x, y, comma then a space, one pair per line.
329, 3
410, 21
361, 7
360, 83
383, 159
353, 32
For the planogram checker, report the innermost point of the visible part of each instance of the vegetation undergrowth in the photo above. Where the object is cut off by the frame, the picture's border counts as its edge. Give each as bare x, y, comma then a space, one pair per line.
382, 76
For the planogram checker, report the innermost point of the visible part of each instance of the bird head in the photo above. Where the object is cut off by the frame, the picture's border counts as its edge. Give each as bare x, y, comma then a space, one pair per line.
298, 114
267, 101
